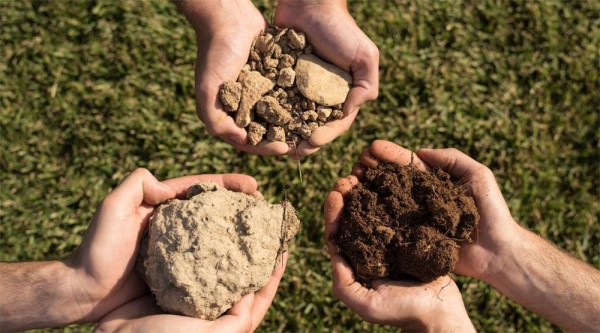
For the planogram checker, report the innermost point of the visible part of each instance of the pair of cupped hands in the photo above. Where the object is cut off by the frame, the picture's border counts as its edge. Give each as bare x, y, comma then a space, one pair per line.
111, 293
224, 38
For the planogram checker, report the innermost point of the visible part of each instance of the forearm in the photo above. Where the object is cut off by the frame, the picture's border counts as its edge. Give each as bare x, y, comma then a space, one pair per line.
550, 282
36, 295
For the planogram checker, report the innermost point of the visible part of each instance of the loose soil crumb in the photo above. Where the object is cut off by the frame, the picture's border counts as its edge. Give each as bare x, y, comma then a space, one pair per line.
201, 255
285, 91
402, 222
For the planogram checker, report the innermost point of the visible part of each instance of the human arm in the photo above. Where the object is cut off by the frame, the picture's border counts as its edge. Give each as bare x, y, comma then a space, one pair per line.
529, 270
336, 38
99, 276
436, 306
224, 34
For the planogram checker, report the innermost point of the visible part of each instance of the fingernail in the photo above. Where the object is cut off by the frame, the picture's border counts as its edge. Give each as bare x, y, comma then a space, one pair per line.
425, 149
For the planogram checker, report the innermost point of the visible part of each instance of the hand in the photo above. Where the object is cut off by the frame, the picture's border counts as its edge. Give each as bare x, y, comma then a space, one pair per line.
328, 27
224, 34
143, 315
103, 275
484, 257
410, 305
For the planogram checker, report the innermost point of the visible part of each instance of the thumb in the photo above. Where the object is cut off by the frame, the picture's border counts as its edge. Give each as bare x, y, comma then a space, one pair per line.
140, 187
238, 318
451, 160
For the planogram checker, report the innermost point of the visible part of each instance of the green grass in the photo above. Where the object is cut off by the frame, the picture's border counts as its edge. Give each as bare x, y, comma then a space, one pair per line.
91, 90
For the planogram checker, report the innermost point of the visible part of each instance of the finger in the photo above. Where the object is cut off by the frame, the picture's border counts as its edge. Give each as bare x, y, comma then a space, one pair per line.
365, 76
389, 152
358, 170
140, 186
333, 207
265, 147
482, 185
453, 161
219, 123
365, 88
302, 150
264, 297
238, 318
331, 130
345, 286
367, 159
344, 185
234, 182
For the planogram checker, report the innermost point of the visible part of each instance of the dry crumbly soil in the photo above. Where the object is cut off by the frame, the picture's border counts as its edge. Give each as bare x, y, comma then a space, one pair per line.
201, 255
401, 222
285, 92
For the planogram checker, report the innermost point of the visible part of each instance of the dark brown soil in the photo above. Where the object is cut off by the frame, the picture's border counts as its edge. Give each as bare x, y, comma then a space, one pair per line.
402, 222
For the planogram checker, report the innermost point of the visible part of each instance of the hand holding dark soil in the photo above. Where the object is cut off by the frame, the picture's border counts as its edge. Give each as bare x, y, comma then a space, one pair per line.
400, 222
479, 259
410, 305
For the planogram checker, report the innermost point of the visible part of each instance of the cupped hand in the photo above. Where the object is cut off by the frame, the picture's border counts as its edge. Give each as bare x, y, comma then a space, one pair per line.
224, 43
143, 315
103, 275
337, 39
410, 305
484, 256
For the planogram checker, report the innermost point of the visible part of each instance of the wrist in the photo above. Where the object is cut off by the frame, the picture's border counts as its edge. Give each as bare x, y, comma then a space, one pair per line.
505, 261
314, 14
210, 17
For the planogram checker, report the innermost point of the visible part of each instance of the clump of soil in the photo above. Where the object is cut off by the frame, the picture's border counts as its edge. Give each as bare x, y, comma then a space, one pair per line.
402, 222
201, 255
285, 92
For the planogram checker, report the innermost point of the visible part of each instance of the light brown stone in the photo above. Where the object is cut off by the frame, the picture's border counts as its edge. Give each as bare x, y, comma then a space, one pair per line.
270, 110
286, 77
276, 133
254, 85
322, 82
230, 95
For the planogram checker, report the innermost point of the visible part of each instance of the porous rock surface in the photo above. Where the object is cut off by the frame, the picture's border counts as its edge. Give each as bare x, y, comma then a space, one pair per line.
201, 255
285, 87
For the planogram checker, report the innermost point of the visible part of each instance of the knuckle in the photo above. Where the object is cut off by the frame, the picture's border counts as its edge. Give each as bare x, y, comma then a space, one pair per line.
485, 172
140, 172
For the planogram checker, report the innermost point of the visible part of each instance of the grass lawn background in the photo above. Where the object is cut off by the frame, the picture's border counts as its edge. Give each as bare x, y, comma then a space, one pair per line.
90, 90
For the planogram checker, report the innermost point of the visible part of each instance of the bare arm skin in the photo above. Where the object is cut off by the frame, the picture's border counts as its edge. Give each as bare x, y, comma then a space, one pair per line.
37, 295
549, 282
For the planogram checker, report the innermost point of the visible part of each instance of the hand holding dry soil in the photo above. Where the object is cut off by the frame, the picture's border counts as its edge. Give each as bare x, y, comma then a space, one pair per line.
285, 92
203, 254
400, 221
